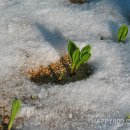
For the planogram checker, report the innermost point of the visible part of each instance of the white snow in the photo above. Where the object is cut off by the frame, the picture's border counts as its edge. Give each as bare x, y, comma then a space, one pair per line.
34, 32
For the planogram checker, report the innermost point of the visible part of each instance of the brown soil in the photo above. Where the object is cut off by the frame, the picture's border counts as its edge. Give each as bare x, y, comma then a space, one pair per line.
77, 1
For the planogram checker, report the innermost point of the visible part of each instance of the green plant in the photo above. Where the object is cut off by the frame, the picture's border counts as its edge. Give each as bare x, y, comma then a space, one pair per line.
78, 57
128, 117
16, 105
122, 33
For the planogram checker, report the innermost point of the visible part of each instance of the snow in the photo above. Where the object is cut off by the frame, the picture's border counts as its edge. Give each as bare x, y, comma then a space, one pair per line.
34, 32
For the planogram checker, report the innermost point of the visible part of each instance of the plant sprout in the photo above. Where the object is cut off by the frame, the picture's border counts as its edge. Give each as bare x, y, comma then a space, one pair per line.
16, 105
128, 116
78, 57
122, 33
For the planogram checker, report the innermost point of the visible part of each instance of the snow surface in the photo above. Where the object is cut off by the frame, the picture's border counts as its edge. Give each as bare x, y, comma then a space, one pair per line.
34, 32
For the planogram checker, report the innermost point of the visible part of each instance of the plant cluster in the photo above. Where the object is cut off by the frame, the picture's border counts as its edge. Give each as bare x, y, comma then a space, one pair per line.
74, 59
78, 57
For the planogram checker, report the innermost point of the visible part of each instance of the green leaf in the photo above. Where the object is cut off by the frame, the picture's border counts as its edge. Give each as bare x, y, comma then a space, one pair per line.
122, 33
76, 56
71, 48
86, 49
84, 59
128, 116
16, 105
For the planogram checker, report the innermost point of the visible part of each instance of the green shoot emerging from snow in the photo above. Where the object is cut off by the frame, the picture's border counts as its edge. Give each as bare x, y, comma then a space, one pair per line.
78, 57
128, 117
16, 105
122, 33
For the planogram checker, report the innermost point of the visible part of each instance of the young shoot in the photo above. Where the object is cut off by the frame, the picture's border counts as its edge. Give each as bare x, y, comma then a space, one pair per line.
122, 33
128, 117
78, 57
16, 106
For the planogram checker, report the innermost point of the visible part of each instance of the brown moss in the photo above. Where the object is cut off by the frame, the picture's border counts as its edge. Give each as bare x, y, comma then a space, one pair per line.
56, 69
40, 70
58, 72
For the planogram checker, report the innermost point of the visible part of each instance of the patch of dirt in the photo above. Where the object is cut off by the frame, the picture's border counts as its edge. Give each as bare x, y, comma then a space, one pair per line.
77, 1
